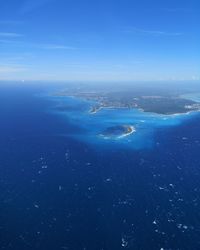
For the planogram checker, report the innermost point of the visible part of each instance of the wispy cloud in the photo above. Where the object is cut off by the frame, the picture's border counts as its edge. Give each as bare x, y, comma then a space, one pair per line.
10, 42
195, 78
10, 35
12, 68
178, 9
152, 32
40, 46
12, 59
10, 22
55, 47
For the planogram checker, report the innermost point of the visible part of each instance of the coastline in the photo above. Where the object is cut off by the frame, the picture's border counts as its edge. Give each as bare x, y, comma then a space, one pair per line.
130, 130
143, 111
98, 106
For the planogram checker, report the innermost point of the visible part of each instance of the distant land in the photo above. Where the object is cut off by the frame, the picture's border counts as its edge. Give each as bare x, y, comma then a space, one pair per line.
160, 103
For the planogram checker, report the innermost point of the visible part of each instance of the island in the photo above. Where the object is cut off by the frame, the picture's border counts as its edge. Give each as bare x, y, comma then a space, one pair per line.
118, 131
160, 102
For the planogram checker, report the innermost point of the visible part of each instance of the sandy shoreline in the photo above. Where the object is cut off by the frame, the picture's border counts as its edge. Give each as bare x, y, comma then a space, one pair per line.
130, 130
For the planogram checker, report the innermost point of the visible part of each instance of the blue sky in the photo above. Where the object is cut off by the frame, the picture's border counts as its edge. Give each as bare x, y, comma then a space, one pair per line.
99, 40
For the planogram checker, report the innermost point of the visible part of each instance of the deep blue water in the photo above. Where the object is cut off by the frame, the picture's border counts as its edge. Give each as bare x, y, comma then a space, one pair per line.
61, 190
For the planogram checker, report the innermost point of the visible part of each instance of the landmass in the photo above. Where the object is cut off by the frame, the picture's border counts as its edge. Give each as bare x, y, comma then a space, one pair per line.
160, 103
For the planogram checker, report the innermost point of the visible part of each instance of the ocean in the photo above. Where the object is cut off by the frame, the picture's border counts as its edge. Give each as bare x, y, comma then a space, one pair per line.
64, 187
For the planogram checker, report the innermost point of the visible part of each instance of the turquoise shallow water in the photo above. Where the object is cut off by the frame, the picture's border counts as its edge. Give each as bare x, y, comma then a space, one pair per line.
77, 111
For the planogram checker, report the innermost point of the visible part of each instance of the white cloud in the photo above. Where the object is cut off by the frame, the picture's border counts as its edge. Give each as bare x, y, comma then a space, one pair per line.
178, 9
4, 69
34, 45
152, 32
10, 34
10, 22
55, 46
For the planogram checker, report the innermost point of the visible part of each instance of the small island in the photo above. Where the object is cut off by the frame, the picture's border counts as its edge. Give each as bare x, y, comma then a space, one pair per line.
118, 131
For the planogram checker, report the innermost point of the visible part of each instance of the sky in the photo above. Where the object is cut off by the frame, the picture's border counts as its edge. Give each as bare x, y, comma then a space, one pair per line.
100, 40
